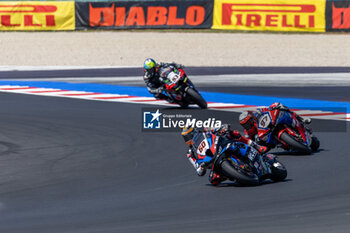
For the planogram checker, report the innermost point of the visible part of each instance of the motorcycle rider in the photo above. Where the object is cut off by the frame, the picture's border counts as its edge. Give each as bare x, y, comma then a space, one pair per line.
249, 120
153, 79
223, 131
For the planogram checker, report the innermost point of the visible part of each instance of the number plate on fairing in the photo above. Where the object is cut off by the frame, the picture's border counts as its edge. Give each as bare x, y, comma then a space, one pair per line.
173, 77
265, 121
203, 147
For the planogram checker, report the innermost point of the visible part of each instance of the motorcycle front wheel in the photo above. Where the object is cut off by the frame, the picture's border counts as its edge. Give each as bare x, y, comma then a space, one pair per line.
315, 143
238, 174
293, 143
279, 171
197, 98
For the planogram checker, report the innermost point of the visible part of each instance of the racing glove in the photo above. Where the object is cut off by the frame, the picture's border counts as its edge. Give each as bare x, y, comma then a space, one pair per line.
156, 90
222, 130
261, 149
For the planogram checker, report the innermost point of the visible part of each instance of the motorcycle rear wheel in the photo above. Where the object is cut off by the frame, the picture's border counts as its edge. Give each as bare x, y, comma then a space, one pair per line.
197, 98
292, 142
238, 174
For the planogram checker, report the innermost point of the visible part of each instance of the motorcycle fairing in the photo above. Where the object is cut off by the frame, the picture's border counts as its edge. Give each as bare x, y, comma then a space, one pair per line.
241, 149
299, 129
205, 147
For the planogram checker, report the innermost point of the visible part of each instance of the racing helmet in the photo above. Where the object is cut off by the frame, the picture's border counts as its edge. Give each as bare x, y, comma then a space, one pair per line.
278, 105
149, 66
247, 120
275, 105
187, 134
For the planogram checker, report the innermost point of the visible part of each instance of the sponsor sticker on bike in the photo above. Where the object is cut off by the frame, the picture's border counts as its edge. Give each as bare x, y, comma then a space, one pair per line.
252, 154
173, 77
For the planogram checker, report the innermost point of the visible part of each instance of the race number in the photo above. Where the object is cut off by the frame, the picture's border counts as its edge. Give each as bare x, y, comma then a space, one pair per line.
173, 77
264, 121
202, 148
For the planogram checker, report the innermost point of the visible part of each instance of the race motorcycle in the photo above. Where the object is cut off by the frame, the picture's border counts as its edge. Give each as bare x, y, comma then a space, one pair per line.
235, 160
273, 131
180, 88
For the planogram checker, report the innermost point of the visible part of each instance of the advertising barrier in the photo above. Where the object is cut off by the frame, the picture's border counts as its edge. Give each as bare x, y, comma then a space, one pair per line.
32, 15
270, 15
338, 15
245, 15
144, 14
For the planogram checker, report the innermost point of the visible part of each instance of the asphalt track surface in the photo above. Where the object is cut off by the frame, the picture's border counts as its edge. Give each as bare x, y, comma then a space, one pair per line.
338, 92
79, 166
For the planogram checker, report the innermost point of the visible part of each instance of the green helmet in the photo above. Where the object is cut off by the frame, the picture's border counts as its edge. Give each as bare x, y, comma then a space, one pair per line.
149, 64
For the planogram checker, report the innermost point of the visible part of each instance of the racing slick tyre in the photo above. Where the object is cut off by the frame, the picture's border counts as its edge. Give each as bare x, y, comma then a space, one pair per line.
238, 174
315, 143
293, 143
197, 98
279, 171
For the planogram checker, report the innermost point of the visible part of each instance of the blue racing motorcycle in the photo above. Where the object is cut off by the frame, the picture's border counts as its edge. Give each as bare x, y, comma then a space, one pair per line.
235, 160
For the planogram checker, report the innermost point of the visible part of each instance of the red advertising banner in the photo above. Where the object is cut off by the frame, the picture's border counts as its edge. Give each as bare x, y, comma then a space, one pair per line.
338, 15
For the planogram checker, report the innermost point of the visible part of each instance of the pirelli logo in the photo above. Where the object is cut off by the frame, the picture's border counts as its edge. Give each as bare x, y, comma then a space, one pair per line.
248, 14
306, 15
9, 11
36, 15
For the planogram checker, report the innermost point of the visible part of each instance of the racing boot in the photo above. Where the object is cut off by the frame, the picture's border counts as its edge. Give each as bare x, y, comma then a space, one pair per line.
169, 100
183, 104
161, 96
202, 169
305, 120
216, 178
